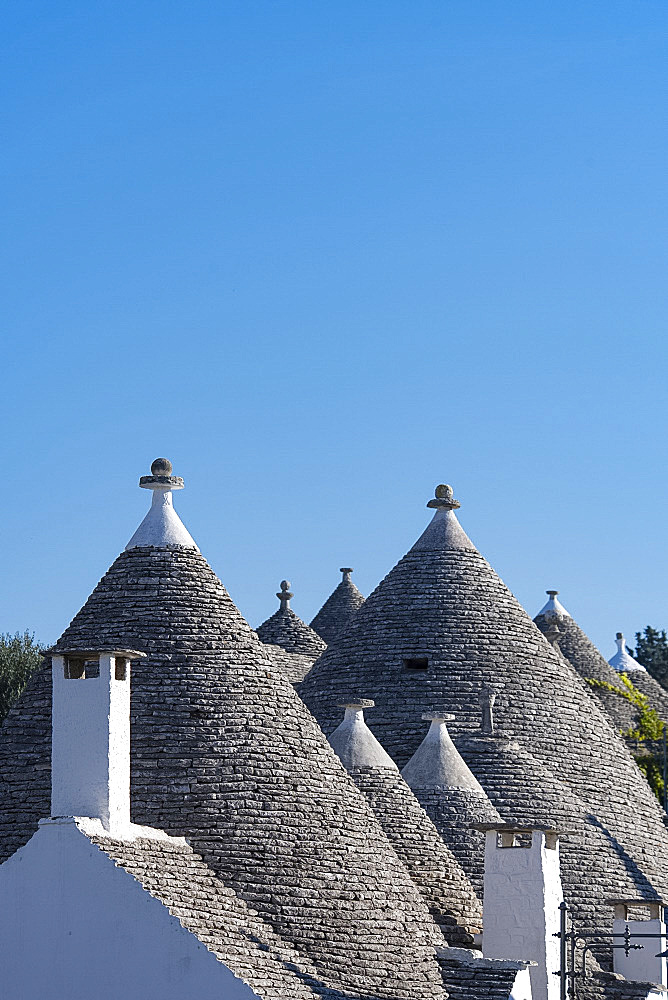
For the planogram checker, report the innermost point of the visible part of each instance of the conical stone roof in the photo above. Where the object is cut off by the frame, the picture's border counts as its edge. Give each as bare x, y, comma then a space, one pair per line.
564, 633
287, 630
451, 795
339, 608
445, 888
591, 665
224, 754
441, 626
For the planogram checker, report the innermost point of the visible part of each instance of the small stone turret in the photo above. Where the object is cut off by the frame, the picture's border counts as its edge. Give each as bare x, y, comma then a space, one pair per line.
435, 871
285, 629
339, 609
451, 795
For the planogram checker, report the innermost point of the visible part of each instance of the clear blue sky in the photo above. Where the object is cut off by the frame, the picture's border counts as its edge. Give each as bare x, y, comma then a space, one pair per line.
324, 256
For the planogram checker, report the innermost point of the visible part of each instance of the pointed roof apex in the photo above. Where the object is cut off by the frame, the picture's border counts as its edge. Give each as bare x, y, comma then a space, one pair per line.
444, 530
622, 661
553, 606
162, 527
284, 595
437, 763
443, 497
354, 743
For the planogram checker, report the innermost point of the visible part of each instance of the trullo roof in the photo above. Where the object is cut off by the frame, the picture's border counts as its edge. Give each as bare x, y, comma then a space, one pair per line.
441, 626
224, 753
442, 883
591, 665
339, 607
287, 630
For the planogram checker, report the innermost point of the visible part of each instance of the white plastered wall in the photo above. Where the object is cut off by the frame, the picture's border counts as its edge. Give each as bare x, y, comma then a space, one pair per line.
522, 893
73, 926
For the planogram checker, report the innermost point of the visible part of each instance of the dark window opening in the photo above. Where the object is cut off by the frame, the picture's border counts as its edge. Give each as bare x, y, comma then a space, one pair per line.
77, 669
515, 838
121, 669
416, 662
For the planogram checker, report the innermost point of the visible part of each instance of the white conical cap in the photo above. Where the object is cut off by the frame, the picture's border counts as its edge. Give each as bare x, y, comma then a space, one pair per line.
162, 526
553, 606
622, 661
354, 743
444, 530
437, 763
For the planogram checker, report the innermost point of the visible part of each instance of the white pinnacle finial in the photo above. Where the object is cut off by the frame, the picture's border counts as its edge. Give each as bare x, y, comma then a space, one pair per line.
354, 743
622, 661
162, 527
554, 607
437, 763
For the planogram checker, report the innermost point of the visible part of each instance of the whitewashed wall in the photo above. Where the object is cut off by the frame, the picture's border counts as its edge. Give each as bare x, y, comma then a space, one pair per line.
73, 926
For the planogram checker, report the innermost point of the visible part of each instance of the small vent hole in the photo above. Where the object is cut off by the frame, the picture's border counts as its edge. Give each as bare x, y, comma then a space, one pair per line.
416, 663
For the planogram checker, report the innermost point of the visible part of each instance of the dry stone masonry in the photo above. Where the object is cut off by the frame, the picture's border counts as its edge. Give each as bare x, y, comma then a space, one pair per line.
339, 608
442, 626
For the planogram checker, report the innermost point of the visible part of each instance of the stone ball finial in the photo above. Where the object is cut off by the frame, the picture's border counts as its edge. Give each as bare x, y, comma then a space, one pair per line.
620, 635
443, 497
161, 467
284, 595
161, 477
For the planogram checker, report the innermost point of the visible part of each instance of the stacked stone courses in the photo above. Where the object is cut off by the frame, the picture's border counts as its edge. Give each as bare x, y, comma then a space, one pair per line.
287, 630
444, 604
338, 609
175, 875
590, 664
224, 753
443, 885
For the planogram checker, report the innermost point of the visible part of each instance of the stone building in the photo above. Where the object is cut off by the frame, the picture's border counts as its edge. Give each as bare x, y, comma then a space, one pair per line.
292, 644
440, 628
174, 822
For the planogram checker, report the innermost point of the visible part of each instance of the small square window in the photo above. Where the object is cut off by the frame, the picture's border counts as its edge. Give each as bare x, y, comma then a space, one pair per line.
416, 662
75, 669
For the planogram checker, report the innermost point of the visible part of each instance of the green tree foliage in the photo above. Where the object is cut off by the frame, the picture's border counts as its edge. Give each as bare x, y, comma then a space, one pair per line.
19, 656
652, 652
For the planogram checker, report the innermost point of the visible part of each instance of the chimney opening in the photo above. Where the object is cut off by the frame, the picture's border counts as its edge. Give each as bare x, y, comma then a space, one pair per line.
121, 669
76, 668
416, 662
516, 838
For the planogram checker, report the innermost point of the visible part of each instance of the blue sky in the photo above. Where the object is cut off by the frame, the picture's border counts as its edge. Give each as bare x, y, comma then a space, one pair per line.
324, 256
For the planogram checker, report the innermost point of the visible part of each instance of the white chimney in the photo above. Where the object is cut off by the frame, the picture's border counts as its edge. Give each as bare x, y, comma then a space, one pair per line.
521, 898
648, 963
90, 747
